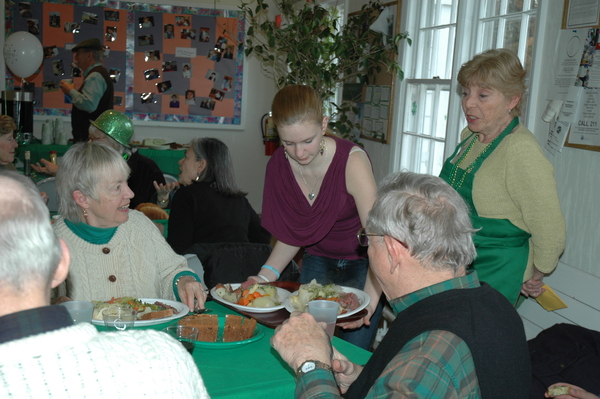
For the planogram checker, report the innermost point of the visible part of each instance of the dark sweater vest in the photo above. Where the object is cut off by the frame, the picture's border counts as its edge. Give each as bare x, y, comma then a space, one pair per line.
80, 119
483, 318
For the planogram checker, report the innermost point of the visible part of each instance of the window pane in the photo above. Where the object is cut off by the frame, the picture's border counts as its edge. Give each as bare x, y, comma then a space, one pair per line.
515, 6
512, 33
439, 12
529, 44
492, 8
422, 155
442, 113
411, 116
490, 34
435, 59
438, 158
533, 4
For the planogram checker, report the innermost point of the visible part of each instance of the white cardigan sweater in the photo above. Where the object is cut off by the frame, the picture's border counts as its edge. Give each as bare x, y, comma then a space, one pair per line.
136, 262
80, 362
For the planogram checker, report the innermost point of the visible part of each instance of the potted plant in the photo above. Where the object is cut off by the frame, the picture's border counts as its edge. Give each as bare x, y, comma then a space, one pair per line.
308, 45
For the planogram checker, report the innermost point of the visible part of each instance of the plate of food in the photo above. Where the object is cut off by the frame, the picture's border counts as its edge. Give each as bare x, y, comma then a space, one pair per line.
151, 311
256, 298
225, 331
351, 300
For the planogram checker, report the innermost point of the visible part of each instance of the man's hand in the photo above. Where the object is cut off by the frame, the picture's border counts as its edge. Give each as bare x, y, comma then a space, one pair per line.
49, 168
66, 87
301, 338
344, 371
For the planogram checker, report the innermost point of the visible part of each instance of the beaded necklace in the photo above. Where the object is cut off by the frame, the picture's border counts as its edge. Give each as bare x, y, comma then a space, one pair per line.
469, 168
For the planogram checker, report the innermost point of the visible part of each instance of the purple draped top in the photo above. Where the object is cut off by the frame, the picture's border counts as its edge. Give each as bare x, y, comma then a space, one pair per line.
328, 227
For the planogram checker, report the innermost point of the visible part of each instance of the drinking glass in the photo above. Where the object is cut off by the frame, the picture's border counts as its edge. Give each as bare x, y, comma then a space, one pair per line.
119, 318
325, 311
186, 335
80, 311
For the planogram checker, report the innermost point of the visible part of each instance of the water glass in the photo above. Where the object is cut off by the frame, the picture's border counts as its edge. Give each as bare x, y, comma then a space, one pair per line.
186, 335
80, 311
326, 312
119, 318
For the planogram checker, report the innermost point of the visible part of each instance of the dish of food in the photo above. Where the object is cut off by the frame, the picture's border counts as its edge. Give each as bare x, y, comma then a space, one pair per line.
214, 329
180, 311
351, 300
220, 291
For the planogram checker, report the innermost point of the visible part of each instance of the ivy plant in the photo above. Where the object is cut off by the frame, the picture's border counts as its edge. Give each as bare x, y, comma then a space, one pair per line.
309, 45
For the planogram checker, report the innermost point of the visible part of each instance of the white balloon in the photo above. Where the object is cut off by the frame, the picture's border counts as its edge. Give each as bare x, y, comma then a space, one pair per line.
23, 54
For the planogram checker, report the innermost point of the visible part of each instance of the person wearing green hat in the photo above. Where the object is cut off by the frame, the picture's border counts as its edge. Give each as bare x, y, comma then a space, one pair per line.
115, 129
95, 94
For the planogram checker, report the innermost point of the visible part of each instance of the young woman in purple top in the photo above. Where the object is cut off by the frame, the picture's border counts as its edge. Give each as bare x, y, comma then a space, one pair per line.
318, 192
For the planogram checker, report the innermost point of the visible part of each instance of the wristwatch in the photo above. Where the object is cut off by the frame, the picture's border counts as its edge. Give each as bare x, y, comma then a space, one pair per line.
311, 365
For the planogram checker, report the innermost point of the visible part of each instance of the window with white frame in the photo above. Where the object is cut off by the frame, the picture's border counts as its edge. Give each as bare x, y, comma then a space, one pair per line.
446, 34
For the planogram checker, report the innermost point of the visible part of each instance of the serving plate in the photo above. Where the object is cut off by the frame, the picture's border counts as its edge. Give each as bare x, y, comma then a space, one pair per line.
258, 334
363, 300
283, 295
182, 310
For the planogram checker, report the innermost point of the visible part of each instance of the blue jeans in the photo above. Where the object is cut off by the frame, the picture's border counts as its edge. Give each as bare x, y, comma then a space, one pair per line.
351, 273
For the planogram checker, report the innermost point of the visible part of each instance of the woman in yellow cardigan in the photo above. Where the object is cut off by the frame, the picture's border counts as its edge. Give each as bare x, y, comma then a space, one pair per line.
503, 175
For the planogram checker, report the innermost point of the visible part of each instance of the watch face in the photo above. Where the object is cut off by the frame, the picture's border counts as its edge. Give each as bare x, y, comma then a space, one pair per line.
308, 367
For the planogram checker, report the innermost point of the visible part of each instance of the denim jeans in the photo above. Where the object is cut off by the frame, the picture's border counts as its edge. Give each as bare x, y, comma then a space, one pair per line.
350, 273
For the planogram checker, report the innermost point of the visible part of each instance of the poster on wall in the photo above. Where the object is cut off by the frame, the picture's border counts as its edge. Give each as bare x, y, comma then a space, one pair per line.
167, 63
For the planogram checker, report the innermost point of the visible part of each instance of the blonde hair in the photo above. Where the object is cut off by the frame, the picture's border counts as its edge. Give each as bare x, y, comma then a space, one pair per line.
7, 125
498, 69
297, 104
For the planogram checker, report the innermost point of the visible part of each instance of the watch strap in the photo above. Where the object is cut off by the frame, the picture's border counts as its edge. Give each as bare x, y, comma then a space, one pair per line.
317, 365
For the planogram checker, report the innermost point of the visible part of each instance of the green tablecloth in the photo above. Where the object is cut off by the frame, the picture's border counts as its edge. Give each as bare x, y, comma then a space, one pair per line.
254, 370
167, 160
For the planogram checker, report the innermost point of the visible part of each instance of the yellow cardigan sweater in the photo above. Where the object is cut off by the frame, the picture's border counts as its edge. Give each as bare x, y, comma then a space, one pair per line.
516, 182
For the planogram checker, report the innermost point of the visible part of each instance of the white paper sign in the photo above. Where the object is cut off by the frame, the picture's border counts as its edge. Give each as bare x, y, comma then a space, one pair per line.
185, 52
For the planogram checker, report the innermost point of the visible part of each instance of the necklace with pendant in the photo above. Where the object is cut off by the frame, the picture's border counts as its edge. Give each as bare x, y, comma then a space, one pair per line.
311, 194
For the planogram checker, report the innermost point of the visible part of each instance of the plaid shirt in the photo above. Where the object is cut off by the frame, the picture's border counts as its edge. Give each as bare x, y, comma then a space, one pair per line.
35, 321
435, 364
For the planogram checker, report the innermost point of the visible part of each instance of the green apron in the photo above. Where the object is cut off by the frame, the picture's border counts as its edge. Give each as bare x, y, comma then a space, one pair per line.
502, 247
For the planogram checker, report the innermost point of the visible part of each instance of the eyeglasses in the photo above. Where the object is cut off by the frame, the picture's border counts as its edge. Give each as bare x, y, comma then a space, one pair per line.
363, 238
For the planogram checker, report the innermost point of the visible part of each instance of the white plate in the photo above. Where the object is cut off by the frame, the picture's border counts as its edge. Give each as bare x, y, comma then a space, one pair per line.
363, 300
160, 147
283, 295
182, 310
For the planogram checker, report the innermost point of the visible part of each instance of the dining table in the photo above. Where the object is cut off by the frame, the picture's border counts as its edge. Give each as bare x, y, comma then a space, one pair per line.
167, 160
251, 370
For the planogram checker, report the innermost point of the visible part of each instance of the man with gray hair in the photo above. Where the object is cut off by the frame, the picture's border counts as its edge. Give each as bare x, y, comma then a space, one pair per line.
43, 354
95, 95
453, 337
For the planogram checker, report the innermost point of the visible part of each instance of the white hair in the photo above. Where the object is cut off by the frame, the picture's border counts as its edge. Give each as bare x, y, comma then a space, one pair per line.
29, 249
428, 215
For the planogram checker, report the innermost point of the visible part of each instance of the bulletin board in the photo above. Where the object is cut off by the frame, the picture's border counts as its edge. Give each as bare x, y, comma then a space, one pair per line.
167, 63
578, 14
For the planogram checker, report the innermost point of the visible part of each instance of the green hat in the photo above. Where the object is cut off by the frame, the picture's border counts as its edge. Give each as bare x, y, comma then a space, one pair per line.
115, 125
88, 44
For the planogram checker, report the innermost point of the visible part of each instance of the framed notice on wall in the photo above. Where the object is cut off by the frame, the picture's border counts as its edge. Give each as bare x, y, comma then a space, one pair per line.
167, 63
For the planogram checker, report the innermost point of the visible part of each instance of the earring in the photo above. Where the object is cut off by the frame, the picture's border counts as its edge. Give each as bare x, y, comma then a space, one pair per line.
285, 154
322, 145
197, 178
85, 214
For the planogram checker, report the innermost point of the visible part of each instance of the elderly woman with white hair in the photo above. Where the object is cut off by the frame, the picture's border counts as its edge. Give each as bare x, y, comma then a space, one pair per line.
115, 251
